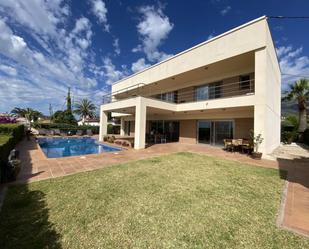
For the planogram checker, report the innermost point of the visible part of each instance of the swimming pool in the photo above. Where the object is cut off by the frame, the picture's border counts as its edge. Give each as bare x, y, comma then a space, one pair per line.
72, 146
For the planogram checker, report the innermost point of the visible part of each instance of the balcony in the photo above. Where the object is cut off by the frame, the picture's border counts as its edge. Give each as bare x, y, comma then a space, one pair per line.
216, 90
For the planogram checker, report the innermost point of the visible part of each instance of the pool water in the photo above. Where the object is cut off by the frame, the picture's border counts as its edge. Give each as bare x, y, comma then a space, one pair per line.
73, 146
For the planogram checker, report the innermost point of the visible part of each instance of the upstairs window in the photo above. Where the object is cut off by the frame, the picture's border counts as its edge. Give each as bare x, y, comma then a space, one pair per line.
169, 96
202, 93
215, 90
244, 82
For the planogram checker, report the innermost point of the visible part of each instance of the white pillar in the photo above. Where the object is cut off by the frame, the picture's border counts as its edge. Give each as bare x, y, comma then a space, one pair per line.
140, 124
103, 125
267, 102
122, 132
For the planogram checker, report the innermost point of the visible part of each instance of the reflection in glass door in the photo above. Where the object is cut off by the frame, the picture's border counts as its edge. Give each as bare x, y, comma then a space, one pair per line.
214, 132
204, 132
223, 130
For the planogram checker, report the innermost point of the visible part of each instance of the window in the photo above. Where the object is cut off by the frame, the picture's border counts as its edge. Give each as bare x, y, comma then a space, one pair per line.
244, 82
210, 91
202, 93
215, 90
169, 96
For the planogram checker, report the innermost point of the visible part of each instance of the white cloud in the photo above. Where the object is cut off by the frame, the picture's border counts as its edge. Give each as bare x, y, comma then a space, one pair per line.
139, 65
100, 11
38, 15
153, 29
293, 65
111, 73
224, 11
116, 46
8, 70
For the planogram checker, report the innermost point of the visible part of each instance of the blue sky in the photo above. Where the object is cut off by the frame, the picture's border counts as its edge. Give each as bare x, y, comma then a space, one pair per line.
46, 46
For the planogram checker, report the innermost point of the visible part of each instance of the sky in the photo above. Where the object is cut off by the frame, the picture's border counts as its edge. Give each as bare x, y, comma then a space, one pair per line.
48, 46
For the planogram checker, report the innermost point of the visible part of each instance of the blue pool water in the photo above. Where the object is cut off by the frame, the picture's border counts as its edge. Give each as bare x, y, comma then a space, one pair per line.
73, 146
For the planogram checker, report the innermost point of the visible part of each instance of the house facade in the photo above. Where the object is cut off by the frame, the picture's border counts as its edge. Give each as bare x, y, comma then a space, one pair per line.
219, 89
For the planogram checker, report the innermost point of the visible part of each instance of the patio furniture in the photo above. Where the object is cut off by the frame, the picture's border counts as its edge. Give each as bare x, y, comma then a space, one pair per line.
89, 133
42, 132
57, 132
63, 133
79, 133
228, 145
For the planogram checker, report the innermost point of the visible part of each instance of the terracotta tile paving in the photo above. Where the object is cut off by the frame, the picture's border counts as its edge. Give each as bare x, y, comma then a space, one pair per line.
35, 166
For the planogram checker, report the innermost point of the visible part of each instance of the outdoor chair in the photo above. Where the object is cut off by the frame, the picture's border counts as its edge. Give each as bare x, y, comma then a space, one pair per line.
89, 133
79, 133
63, 133
228, 145
57, 132
42, 132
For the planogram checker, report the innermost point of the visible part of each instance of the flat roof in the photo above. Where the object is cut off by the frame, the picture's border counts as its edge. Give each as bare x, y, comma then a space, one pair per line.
194, 47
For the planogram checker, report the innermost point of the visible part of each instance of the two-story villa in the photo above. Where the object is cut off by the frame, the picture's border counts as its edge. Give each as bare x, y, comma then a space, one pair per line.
221, 88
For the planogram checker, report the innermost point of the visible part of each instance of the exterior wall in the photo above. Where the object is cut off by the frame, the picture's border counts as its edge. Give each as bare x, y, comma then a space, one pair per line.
243, 127
187, 131
243, 39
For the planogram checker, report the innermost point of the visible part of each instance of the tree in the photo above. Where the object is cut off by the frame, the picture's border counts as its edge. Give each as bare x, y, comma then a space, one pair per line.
85, 108
28, 113
66, 116
300, 91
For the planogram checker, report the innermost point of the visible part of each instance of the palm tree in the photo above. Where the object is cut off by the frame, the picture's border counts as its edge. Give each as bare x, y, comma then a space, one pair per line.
19, 112
85, 109
300, 91
28, 113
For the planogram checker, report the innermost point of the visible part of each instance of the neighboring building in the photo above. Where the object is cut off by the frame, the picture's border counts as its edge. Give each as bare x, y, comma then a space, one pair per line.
221, 88
89, 121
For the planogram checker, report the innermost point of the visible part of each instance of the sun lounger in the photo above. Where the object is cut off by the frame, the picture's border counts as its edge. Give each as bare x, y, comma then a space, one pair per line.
79, 133
57, 132
89, 132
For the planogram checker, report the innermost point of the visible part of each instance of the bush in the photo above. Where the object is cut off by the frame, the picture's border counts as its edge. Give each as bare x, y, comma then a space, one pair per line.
68, 127
10, 135
288, 137
306, 136
15, 130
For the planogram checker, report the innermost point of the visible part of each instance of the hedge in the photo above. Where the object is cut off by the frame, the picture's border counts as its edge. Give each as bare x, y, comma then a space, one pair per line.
10, 135
68, 127
306, 136
15, 130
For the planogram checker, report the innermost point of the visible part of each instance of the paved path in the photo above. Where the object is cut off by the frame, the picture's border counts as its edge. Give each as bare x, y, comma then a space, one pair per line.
35, 166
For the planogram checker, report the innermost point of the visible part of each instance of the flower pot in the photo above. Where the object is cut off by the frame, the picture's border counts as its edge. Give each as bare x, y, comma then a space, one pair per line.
256, 155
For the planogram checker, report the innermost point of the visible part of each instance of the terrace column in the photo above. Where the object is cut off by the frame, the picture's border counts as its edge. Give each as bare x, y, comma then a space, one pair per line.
122, 127
103, 125
140, 124
267, 101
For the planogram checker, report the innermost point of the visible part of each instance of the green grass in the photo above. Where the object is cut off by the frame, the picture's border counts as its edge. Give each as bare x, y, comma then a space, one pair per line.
178, 201
4, 138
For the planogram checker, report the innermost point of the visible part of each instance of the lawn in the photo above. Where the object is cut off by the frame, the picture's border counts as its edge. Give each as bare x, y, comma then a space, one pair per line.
182, 200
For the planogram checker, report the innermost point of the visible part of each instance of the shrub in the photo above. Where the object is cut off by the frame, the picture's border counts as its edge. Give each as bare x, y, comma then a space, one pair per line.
68, 127
15, 130
306, 136
10, 135
288, 137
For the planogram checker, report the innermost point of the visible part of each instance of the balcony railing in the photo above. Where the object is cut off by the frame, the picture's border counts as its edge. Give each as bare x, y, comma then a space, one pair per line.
185, 95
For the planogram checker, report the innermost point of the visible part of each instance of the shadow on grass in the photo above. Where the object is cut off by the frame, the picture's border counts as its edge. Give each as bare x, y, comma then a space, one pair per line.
295, 170
24, 220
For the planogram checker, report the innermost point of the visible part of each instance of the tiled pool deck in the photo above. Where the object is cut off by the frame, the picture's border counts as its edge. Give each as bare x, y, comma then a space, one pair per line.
35, 166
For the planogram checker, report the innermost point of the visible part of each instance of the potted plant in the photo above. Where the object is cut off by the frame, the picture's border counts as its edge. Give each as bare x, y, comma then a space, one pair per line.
256, 141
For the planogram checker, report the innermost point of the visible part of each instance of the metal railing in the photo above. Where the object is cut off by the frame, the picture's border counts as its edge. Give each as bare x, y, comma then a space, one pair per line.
134, 90
185, 95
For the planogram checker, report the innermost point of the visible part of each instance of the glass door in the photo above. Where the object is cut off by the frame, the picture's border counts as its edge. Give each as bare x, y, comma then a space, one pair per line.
204, 132
222, 130
214, 132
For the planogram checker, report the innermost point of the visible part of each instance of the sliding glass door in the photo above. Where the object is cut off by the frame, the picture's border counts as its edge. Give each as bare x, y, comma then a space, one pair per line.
214, 132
